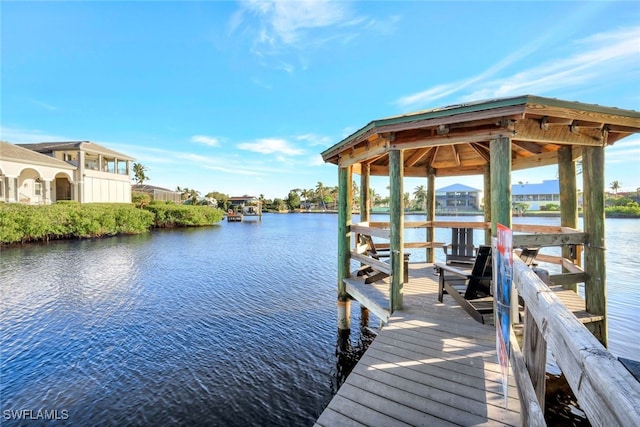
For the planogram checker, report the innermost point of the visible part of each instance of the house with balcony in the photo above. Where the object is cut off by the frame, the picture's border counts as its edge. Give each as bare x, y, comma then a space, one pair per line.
458, 197
536, 194
46, 172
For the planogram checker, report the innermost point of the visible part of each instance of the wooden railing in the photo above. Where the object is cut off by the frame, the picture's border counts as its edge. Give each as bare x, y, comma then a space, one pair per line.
605, 390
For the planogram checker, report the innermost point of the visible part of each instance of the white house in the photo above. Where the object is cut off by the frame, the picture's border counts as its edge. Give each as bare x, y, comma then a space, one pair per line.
50, 171
537, 194
459, 196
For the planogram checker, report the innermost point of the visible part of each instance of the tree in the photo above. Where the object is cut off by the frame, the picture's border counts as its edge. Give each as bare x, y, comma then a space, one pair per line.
420, 195
320, 189
615, 186
520, 208
140, 173
293, 200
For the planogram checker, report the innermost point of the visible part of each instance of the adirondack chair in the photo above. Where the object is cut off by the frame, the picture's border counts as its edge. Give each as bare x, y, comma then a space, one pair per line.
471, 290
528, 255
370, 273
461, 249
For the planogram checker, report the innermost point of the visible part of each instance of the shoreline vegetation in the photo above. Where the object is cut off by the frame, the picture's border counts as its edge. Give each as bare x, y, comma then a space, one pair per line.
71, 220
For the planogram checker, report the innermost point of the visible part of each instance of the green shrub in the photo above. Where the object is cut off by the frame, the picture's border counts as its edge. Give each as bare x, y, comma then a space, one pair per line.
140, 199
24, 223
631, 210
172, 215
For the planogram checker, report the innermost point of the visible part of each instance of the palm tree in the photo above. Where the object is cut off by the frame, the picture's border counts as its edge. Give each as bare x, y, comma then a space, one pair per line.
420, 195
139, 173
373, 197
333, 194
320, 189
615, 186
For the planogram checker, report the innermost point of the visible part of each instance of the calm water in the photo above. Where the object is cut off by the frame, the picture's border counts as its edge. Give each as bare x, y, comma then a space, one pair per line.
227, 325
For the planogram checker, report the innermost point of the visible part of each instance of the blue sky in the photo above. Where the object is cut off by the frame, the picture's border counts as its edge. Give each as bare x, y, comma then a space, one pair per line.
242, 97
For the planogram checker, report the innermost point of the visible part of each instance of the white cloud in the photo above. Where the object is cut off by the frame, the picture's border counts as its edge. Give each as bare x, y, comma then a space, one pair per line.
270, 146
206, 140
277, 26
44, 105
599, 57
317, 160
27, 136
314, 140
286, 21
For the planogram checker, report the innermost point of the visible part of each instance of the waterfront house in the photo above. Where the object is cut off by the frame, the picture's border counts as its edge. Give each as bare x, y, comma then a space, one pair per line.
537, 195
46, 172
458, 197
159, 193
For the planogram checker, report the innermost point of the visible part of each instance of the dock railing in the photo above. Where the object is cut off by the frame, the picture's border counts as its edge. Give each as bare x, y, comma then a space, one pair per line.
605, 390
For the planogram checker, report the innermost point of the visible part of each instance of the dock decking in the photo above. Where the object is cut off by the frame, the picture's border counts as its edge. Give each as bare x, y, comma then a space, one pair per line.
432, 364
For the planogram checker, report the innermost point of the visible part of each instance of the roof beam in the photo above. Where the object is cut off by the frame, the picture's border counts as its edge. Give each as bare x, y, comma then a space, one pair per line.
530, 147
481, 150
477, 136
363, 152
529, 130
417, 156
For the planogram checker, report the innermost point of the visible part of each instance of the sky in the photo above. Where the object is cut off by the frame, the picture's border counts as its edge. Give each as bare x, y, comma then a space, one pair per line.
241, 97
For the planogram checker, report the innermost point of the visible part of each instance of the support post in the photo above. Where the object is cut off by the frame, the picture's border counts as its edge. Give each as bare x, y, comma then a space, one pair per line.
595, 289
487, 201
365, 193
500, 151
431, 212
396, 217
365, 216
344, 253
568, 201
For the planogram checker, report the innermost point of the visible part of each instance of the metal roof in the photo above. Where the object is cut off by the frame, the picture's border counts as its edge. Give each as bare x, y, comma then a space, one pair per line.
458, 188
551, 186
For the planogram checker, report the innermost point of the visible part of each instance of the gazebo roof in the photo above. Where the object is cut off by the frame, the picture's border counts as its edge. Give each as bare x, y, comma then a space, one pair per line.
454, 140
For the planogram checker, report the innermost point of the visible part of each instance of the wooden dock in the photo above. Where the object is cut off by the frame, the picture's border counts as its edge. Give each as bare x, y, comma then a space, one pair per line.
432, 364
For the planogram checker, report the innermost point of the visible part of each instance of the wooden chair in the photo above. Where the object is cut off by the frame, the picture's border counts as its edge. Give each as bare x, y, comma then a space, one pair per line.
461, 249
370, 273
470, 289
528, 255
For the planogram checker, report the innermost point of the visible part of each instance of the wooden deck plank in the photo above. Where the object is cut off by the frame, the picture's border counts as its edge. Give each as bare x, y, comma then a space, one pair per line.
432, 364
447, 405
380, 403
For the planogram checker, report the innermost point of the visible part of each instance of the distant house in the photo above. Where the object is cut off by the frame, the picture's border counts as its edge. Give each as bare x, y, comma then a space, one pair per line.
46, 172
458, 196
245, 205
537, 195
159, 193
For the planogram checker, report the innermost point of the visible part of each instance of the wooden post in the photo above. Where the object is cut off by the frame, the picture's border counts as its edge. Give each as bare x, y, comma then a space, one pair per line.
595, 288
431, 211
487, 201
500, 184
396, 218
365, 215
365, 196
535, 348
344, 243
568, 200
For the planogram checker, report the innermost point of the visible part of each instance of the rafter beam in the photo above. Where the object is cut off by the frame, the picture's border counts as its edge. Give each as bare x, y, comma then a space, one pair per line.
529, 130
531, 147
417, 156
363, 152
481, 150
